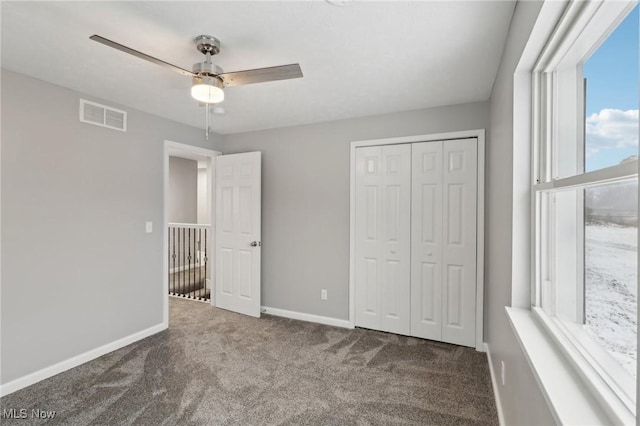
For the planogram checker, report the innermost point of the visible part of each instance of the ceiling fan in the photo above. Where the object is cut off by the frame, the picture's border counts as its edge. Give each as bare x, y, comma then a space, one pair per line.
208, 78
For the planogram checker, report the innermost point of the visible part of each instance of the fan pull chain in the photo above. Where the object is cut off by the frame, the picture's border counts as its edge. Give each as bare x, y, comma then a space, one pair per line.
206, 133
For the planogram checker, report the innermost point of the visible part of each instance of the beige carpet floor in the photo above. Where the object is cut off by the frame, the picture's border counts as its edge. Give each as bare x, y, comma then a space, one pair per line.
213, 367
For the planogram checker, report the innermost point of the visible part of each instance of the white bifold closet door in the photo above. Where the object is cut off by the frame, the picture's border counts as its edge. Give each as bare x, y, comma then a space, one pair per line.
443, 251
383, 220
415, 251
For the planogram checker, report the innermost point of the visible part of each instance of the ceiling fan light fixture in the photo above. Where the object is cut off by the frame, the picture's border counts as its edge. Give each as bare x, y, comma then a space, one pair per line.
207, 89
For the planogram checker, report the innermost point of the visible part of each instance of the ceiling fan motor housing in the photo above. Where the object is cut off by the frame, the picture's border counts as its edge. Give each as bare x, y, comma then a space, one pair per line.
208, 71
206, 68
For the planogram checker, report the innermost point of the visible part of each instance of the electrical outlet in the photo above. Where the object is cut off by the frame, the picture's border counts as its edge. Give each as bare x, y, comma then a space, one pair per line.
323, 294
503, 372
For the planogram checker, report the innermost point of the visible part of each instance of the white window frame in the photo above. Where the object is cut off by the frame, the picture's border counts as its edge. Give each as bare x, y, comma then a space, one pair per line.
581, 30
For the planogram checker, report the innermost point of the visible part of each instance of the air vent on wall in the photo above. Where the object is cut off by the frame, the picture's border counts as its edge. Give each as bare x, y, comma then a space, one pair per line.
102, 115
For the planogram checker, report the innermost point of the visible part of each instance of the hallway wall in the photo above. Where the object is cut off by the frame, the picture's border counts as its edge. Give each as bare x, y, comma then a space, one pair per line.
183, 190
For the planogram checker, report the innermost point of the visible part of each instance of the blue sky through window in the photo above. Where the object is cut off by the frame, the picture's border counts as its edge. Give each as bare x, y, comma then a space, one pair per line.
613, 75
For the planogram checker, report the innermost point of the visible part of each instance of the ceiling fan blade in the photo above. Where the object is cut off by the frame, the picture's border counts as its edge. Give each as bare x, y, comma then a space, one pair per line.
140, 55
261, 75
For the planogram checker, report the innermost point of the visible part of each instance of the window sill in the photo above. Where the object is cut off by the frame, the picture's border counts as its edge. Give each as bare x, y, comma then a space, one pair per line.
567, 395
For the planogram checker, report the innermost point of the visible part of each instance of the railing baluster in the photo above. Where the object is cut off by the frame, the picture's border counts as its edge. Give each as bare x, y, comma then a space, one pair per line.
191, 270
189, 289
184, 260
205, 262
200, 283
187, 264
195, 262
173, 255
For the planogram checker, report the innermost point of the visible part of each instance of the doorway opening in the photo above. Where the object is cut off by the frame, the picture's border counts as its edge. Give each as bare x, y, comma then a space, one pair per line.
189, 217
189, 228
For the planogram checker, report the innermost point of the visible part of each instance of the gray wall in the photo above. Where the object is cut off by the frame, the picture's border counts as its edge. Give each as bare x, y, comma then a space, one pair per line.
521, 398
183, 190
78, 269
203, 215
305, 200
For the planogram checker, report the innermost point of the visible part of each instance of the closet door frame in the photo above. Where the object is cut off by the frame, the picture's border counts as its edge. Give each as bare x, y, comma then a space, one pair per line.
479, 134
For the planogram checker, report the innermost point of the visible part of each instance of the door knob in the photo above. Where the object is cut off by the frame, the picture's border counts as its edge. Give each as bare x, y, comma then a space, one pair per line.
255, 244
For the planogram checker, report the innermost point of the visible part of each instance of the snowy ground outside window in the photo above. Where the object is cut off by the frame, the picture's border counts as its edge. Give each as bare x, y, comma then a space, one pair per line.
611, 289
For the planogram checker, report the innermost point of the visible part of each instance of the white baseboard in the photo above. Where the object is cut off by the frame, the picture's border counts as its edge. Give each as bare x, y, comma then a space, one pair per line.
77, 360
494, 382
307, 317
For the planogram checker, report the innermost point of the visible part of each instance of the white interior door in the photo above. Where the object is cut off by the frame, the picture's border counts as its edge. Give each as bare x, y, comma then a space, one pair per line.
383, 200
459, 180
238, 246
426, 240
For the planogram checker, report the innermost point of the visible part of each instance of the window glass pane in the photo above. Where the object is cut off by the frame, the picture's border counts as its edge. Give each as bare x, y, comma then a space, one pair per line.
611, 73
610, 269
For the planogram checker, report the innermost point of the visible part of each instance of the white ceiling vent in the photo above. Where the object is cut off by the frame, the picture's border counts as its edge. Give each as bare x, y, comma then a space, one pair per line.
102, 115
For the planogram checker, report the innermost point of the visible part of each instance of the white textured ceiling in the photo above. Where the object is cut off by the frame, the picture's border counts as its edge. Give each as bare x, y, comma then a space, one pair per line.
363, 59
